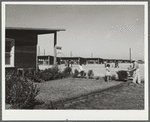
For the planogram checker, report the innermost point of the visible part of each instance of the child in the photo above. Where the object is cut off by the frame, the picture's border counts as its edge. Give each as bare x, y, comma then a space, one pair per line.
130, 73
81, 70
108, 74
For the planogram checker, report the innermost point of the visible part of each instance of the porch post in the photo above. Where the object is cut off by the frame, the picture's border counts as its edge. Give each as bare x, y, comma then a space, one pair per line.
55, 42
79, 60
48, 60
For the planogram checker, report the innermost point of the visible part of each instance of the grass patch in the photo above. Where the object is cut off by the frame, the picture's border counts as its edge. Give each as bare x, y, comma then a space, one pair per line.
121, 98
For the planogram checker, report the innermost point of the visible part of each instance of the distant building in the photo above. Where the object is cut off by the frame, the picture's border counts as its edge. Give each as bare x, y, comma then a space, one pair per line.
47, 60
116, 60
94, 60
73, 60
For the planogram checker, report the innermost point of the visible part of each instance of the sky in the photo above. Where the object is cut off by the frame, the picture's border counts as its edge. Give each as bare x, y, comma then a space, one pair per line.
104, 31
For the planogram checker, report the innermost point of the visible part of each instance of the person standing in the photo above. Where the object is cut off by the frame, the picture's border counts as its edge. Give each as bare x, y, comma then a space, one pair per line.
115, 64
136, 72
81, 70
68, 63
108, 73
105, 63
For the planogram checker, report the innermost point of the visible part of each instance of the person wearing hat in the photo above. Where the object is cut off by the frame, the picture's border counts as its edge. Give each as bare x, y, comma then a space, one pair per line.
136, 72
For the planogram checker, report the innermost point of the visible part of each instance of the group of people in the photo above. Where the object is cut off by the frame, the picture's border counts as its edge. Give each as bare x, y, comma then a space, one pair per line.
131, 70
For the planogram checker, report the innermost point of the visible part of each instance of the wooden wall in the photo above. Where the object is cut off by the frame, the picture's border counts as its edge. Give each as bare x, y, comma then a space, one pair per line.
25, 50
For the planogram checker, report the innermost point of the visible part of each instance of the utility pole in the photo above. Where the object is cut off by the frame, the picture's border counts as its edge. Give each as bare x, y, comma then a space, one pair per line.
130, 54
70, 53
91, 55
55, 52
38, 50
44, 51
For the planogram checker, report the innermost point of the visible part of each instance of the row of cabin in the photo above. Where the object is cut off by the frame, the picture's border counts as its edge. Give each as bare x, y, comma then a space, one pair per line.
48, 60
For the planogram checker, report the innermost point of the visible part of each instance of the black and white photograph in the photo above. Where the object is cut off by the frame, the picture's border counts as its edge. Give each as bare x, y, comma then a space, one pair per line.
75, 60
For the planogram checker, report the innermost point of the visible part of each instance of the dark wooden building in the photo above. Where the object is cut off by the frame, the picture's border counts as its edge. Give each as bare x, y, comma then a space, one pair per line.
21, 46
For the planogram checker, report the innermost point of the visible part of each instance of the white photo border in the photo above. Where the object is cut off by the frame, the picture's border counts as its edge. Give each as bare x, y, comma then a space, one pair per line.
76, 114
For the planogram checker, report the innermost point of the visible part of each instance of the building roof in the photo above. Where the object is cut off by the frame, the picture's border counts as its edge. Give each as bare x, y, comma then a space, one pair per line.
36, 31
93, 58
118, 59
70, 57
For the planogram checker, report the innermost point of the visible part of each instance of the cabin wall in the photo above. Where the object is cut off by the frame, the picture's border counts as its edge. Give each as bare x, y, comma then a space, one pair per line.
25, 50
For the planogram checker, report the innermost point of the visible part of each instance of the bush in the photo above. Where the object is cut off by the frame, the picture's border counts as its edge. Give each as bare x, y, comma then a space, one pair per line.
67, 71
97, 78
76, 73
82, 74
20, 92
90, 74
29, 73
44, 75
37, 77
113, 77
122, 75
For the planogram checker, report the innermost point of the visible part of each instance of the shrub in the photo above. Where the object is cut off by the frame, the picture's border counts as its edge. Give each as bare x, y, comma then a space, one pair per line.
37, 77
10, 73
122, 75
113, 77
82, 74
76, 73
90, 74
97, 78
20, 92
29, 73
46, 75
67, 71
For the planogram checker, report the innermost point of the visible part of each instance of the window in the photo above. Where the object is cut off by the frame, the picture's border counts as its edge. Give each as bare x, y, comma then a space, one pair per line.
9, 52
